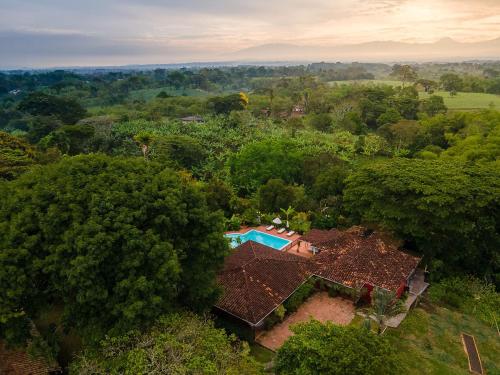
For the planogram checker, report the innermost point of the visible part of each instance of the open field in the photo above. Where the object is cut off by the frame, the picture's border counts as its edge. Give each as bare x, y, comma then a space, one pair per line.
462, 101
467, 100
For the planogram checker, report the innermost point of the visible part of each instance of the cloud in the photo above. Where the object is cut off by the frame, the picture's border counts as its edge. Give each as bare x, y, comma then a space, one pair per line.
152, 30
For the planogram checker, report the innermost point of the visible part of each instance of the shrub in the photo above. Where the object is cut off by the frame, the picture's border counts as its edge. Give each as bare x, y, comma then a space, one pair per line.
470, 295
297, 298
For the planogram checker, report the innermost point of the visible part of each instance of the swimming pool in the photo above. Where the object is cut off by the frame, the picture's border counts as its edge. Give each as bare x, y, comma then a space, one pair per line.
275, 242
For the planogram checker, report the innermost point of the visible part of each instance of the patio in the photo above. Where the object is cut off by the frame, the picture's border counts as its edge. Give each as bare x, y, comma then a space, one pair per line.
297, 247
320, 306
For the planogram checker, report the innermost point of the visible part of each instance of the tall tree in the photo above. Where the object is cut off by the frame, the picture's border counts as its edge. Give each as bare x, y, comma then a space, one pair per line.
447, 209
317, 348
177, 344
16, 156
115, 242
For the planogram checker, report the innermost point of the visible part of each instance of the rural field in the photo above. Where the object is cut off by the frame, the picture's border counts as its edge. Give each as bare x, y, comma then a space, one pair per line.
467, 100
462, 101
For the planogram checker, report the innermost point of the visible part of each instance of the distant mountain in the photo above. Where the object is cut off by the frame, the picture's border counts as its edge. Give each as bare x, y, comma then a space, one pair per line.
443, 49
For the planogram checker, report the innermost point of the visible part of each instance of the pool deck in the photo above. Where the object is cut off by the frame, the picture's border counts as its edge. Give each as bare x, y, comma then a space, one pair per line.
296, 247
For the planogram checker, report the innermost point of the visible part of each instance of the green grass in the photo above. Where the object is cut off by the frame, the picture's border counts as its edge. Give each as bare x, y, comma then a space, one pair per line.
428, 342
467, 100
462, 101
261, 354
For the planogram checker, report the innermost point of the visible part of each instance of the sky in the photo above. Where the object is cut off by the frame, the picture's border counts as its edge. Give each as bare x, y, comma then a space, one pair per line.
43, 33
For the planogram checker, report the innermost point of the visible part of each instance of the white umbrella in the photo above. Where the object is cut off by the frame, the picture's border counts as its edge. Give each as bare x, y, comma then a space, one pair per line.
277, 221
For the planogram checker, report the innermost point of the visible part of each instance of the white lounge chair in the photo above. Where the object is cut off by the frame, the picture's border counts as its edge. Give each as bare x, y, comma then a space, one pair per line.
270, 227
291, 233
281, 230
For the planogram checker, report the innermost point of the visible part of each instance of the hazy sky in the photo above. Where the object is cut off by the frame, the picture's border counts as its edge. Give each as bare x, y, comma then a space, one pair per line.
104, 32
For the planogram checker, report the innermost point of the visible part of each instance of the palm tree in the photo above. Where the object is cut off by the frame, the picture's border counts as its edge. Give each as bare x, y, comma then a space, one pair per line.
144, 140
288, 212
384, 306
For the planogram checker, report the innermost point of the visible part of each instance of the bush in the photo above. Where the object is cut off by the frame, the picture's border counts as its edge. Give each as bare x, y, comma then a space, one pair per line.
297, 298
318, 348
470, 295
234, 223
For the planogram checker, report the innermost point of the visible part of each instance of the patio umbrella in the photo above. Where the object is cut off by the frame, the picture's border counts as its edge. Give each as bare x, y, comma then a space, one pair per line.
277, 221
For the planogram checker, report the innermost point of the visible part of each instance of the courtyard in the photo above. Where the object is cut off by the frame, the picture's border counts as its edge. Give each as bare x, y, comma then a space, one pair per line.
319, 306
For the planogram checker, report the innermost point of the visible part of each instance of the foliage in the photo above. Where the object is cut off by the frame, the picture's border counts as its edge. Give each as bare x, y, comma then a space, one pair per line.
434, 105
384, 306
67, 110
470, 295
178, 151
298, 297
117, 241
317, 348
16, 156
258, 162
447, 209
177, 344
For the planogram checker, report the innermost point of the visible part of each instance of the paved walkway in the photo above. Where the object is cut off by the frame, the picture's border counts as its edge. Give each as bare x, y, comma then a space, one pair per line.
320, 307
417, 287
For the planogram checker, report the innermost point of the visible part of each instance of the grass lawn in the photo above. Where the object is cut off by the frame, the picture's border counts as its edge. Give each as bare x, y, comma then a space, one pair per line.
261, 354
428, 342
467, 100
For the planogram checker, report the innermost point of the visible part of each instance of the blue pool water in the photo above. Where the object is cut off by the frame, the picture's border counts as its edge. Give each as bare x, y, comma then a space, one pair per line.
257, 236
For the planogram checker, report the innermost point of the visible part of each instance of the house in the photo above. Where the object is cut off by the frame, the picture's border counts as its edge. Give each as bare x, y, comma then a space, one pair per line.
18, 362
256, 279
191, 119
356, 258
298, 111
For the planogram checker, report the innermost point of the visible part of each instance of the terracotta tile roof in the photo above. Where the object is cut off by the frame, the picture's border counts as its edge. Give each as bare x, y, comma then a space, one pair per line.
353, 258
18, 362
317, 236
256, 279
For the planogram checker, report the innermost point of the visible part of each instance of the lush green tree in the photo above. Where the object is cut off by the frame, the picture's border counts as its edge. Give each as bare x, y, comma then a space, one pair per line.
179, 151
220, 196
258, 162
321, 122
317, 348
114, 242
330, 182
67, 110
433, 105
275, 194
428, 84
447, 209
451, 82
70, 139
405, 73
384, 306
16, 156
226, 104
391, 116
177, 344
41, 126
